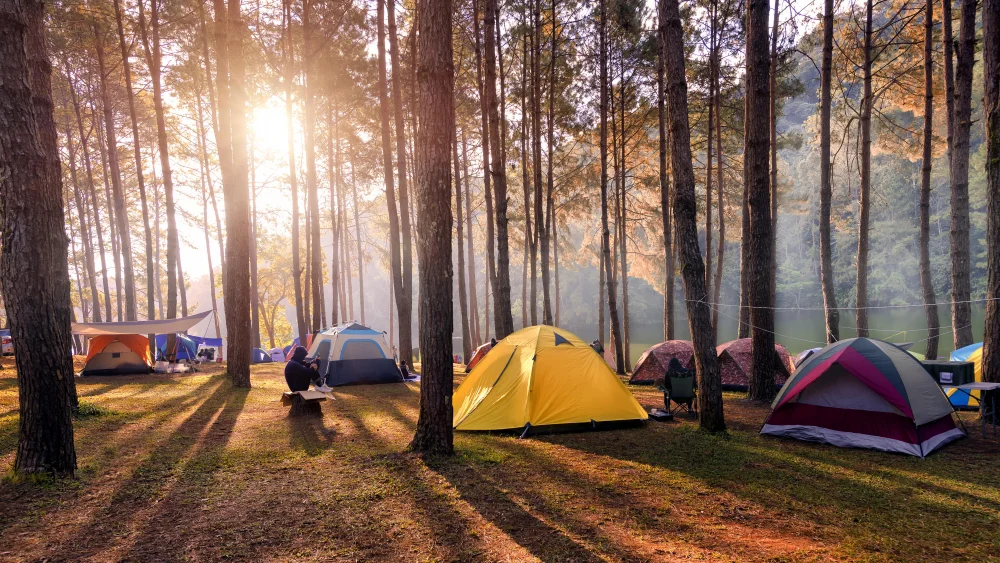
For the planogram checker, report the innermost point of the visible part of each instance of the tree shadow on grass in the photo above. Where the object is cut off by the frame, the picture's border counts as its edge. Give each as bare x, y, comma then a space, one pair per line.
148, 482
308, 434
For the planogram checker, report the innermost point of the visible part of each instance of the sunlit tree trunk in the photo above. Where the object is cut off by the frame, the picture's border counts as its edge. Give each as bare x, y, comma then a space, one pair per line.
536, 150
484, 135
315, 276
961, 309
333, 164
991, 113
547, 316
773, 181
755, 173
463, 298
435, 82
204, 172
616, 335
832, 314
503, 316
529, 254
148, 236
109, 210
665, 195
34, 266
81, 214
289, 58
215, 130
471, 261
710, 410
357, 231
864, 203
926, 282
254, 295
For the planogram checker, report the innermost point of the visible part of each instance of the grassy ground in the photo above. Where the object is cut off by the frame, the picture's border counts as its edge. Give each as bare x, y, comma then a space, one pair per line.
186, 468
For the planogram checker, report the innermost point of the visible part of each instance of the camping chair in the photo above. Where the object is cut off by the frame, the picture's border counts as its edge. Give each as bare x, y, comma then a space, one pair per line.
679, 387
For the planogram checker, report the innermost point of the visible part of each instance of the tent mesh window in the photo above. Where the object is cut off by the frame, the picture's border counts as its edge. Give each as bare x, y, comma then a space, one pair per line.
360, 350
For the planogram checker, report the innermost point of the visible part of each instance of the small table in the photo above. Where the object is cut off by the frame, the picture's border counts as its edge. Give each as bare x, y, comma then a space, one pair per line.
986, 408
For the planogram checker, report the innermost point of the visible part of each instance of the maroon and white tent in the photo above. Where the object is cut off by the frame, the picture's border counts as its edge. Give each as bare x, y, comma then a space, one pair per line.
654, 361
735, 359
864, 393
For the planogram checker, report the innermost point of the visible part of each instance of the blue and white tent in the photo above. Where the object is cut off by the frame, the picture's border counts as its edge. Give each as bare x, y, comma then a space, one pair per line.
353, 354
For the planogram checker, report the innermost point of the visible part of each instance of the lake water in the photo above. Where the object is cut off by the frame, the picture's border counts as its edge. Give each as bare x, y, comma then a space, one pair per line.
801, 330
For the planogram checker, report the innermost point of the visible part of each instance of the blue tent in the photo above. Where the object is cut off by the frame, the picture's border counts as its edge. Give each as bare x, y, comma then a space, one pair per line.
187, 349
207, 342
259, 356
962, 354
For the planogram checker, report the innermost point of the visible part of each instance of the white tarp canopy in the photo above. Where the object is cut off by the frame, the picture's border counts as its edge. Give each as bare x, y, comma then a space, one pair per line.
163, 326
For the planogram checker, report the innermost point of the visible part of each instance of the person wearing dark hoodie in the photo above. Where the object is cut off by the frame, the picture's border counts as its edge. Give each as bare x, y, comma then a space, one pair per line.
298, 374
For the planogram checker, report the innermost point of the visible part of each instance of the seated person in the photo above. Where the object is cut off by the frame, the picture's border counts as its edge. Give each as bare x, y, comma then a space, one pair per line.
298, 375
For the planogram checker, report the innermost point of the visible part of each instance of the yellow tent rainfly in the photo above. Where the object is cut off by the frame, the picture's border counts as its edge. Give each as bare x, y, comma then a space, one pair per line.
542, 377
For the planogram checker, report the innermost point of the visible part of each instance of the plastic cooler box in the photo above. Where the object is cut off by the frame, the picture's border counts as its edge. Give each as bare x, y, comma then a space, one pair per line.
950, 373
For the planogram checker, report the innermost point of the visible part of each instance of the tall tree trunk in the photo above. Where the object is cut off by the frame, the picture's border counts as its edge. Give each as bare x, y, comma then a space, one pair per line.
743, 329
612, 293
357, 231
547, 316
92, 196
435, 83
710, 410
463, 298
254, 295
156, 234
404, 201
333, 163
621, 221
121, 218
484, 135
148, 236
864, 203
961, 309
665, 195
708, 151
473, 299
719, 263
289, 79
501, 296
215, 131
402, 293
312, 189
181, 286
528, 302
232, 108
602, 286
204, 172
773, 181
948, 42
81, 214
926, 283
536, 136
110, 209
991, 113
755, 172
154, 62
832, 314
34, 262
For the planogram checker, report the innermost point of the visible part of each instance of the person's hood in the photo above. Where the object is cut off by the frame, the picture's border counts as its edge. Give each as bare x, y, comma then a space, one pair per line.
299, 355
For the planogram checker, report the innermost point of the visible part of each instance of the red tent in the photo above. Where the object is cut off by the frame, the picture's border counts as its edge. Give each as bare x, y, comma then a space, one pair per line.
654, 361
734, 364
478, 355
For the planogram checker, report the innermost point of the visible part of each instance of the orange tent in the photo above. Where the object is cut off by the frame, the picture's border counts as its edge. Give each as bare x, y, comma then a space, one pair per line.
114, 354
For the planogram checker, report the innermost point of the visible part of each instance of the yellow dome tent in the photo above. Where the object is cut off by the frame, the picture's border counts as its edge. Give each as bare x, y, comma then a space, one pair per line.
542, 376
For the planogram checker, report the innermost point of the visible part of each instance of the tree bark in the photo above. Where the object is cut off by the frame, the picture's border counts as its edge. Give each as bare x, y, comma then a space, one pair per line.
961, 309
612, 293
864, 203
34, 267
485, 149
254, 295
710, 409
148, 235
926, 282
81, 213
235, 193
361, 257
540, 245
665, 194
773, 181
831, 312
717, 286
215, 131
404, 202
333, 162
293, 182
471, 261
547, 316
463, 298
435, 81
755, 173
529, 252
395, 264
991, 113
312, 189
110, 209
121, 217
501, 296
204, 173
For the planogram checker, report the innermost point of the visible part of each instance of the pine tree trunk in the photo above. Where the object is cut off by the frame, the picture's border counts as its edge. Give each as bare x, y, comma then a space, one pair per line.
110, 210
536, 149
665, 196
773, 181
254, 295
926, 282
621, 222
719, 263
485, 149
710, 130
471, 261
233, 103
81, 214
92, 196
602, 286
361, 257
289, 78
463, 298
743, 328
710, 410
34, 270
147, 234
755, 173
404, 201
529, 240
864, 202
961, 309
204, 173
503, 316
832, 314
547, 316
215, 131
435, 81
991, 113
312, 189
612, 293
181, 287
154, 62
333, 163
121, 218
405, 338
